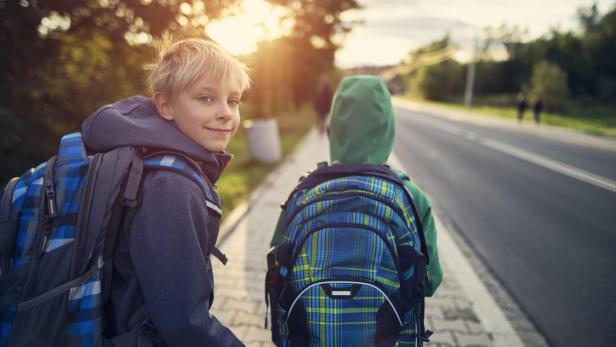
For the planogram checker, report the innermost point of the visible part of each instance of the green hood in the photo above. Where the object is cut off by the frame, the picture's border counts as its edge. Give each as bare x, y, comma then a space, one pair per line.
362, 126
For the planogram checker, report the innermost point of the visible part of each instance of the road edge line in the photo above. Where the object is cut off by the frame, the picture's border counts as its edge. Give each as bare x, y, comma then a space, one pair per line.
491, 316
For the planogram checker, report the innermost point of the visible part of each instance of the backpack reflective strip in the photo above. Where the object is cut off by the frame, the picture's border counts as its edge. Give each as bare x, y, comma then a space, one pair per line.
88, 289
213, 207
17, 193
167, 161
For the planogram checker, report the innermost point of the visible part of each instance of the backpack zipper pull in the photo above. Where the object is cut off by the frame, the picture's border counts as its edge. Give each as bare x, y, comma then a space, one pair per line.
50, 193
52, 212
46, 233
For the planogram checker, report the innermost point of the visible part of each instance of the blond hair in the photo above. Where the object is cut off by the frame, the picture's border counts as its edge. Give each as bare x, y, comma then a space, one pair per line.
183, 63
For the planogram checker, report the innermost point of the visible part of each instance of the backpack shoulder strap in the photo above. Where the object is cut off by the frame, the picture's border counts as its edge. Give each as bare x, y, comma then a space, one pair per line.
402, 176
182, 164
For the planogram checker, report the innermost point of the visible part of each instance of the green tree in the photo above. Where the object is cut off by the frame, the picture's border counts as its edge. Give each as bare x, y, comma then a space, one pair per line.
440, 81
434, 74
317, 33
63, 59
550, 82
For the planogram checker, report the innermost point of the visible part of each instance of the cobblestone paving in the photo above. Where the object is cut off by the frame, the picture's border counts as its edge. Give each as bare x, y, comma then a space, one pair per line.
239, 292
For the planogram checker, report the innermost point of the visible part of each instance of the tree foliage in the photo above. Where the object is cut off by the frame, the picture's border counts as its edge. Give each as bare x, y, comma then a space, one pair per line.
585, 57
310, 49
550, 82
435, 75
63, 59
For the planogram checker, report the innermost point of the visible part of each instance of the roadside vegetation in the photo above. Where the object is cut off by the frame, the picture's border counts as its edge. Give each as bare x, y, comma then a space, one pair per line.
573, 72
596, 120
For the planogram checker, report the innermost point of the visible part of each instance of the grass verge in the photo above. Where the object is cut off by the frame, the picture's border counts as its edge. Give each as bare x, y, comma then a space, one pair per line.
244, 174
598, 122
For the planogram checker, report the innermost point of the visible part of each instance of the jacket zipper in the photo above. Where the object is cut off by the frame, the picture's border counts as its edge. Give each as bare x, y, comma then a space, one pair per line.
84, 213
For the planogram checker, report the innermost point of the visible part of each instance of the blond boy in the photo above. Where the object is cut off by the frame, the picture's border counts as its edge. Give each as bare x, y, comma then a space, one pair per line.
162, 284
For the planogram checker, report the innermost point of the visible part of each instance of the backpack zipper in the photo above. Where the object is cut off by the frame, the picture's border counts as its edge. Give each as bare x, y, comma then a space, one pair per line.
338, 196
43, 229
84, 212
345, 282
345, 225
50, 200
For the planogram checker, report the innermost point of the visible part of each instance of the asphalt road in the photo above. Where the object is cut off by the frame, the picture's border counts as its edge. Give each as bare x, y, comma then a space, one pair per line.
540, 214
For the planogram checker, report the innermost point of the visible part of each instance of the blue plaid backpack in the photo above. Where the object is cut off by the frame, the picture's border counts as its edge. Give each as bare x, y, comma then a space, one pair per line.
351, 268
58, 228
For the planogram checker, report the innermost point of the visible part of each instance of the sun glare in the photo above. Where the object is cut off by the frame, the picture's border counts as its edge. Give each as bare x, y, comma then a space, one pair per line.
257, 20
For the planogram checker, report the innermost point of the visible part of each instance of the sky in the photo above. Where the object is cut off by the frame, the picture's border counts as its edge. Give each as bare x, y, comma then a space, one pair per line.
392, 28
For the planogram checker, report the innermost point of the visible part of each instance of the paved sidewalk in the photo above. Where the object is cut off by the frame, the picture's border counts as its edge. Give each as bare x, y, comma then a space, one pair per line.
462, 313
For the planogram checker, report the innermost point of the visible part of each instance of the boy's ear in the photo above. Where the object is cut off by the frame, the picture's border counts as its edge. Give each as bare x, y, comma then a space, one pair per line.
163, 105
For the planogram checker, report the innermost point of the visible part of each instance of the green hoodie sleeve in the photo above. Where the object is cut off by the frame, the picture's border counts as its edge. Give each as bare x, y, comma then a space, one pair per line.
435, 273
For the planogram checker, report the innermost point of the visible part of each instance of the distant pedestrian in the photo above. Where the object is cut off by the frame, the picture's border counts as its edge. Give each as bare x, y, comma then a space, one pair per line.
521, 106
322, 103
537, 108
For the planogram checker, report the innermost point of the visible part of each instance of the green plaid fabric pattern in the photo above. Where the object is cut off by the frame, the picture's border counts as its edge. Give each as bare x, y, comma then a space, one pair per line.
345, 235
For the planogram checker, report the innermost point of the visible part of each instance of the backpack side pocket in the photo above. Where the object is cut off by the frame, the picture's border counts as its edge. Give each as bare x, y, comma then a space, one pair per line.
8, 228
277, 257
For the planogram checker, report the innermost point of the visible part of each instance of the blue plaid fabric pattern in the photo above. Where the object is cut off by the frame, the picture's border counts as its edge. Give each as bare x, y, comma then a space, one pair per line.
85, 311
81, 298
181, 166
347, 231
83, 302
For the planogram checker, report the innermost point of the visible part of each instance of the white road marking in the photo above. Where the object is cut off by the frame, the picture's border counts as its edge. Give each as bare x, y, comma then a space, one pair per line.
554, 165
545, 162
492, 317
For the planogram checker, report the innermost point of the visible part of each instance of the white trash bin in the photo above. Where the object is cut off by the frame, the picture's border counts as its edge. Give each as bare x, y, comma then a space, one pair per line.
263, 139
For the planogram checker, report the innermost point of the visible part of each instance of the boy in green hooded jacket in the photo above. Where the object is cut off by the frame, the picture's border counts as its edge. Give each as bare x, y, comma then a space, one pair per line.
361, 130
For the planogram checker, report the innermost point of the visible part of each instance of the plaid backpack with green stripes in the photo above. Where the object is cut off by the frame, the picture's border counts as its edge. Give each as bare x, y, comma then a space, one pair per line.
58, 226
351, 268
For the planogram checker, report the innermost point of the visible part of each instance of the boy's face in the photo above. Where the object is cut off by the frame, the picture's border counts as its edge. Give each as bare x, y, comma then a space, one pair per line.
207, 112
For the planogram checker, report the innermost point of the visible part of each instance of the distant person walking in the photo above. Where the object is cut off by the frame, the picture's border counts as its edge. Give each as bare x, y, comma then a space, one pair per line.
537, 108
322, 103
521, 106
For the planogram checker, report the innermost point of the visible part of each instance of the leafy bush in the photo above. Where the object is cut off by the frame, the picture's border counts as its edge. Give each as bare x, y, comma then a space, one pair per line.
549, 81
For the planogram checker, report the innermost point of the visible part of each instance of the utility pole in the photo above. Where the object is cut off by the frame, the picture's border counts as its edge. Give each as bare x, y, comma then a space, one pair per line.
470, 77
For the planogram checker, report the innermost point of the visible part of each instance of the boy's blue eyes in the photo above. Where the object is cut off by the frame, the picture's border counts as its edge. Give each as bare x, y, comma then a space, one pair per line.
208, 99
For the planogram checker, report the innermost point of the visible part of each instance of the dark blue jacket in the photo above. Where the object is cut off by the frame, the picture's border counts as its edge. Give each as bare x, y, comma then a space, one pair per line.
161, 270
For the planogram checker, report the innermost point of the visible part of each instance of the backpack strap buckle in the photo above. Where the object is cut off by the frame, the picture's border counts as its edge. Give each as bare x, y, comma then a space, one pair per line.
133, 181
425, 336
219, 255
